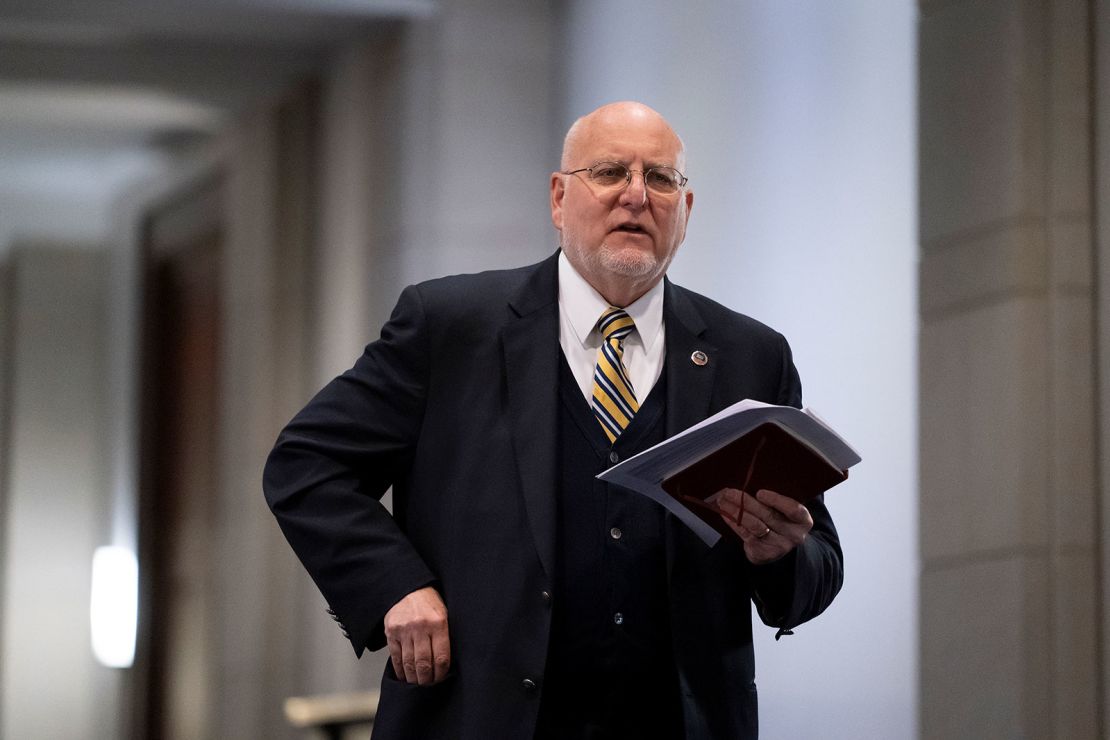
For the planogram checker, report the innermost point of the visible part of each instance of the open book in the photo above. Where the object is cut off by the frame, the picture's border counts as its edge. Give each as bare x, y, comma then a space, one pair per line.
748, 446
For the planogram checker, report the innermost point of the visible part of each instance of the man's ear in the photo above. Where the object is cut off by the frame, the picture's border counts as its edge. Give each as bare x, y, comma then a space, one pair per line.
689, 197
558, 190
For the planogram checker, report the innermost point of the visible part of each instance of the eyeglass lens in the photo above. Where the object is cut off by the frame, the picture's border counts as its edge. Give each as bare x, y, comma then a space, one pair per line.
659, 179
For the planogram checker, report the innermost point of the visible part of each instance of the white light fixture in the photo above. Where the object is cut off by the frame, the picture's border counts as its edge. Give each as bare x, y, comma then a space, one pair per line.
114, 606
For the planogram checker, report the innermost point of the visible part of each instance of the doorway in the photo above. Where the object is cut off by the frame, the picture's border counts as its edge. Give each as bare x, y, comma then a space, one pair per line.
182, 244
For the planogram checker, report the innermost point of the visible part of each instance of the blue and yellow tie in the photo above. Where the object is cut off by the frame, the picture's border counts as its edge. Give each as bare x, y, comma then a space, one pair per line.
614, 400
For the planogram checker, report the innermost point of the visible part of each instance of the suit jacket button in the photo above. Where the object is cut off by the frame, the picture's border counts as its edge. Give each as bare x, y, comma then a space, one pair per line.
546, 596
528, 684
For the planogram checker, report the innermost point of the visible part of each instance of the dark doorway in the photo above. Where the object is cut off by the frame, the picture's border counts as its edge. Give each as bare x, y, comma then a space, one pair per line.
179, 469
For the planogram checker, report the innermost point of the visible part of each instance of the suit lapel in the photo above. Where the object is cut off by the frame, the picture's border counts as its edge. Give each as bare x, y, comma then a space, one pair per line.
530, 345
689, 395
689, 385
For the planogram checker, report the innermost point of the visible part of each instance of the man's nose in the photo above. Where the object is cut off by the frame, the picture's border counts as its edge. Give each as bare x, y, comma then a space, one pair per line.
634, 194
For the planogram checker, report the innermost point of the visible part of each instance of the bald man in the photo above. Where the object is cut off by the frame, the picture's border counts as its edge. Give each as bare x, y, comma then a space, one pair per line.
517, 595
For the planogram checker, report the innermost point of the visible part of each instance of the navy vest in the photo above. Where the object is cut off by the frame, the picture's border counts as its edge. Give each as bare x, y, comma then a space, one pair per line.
610, 666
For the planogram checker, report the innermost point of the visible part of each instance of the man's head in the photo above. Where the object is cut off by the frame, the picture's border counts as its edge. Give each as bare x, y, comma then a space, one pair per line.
620, 237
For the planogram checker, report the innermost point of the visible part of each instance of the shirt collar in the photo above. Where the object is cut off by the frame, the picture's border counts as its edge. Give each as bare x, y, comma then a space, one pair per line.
583, 306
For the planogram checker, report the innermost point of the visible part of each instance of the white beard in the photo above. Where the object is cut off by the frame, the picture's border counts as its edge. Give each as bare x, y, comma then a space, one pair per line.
629, 263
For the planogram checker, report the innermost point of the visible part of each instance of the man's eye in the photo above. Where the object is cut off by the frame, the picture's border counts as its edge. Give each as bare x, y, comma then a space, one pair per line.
609, 173
661, 179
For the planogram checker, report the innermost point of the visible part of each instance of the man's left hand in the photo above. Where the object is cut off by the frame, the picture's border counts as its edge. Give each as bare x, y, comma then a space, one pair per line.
771, 525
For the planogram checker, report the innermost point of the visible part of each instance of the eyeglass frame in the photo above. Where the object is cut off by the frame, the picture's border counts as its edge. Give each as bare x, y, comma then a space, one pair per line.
628, 177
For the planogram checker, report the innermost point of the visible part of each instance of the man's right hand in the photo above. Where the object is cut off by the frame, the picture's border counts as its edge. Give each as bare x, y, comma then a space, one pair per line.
416, 632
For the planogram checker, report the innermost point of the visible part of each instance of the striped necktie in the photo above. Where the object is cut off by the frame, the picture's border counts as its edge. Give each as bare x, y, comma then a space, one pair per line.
614, 400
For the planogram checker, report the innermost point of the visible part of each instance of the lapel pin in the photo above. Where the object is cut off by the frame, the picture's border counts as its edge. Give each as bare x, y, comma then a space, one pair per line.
699, 358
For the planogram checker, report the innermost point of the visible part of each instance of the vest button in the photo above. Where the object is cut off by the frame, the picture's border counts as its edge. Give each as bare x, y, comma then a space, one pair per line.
618, 618
616, 533
614, 457
528, 684
546, 596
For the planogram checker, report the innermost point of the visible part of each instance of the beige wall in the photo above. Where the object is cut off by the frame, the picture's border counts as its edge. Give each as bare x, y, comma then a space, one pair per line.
478, 123
1102, 321
304, 290
6, 328
337, 196
410, 122
1009, 507
55, 492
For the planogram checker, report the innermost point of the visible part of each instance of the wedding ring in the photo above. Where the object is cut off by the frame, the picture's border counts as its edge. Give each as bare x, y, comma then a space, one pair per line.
763, 534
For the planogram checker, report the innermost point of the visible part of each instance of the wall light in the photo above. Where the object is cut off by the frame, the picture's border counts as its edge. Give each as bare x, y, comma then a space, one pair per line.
114, 606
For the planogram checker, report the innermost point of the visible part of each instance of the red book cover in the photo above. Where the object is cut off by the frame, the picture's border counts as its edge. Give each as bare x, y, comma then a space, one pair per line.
748, 446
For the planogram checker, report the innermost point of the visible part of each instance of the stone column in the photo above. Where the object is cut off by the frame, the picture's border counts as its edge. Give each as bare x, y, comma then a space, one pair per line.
1009, 501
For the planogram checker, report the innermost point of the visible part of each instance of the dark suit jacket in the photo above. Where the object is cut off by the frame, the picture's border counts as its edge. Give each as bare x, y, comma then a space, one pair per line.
455, 407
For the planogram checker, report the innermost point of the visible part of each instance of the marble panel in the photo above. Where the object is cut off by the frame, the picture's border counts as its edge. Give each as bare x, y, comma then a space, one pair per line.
985, 650
499, 29
980, 109
984, 430
494, 133
55, 496
1069, 122
1073, 471
1011, 260
1074, 677
1101, 25
1071, 250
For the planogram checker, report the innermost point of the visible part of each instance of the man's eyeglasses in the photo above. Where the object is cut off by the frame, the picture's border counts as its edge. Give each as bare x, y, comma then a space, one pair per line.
609, 175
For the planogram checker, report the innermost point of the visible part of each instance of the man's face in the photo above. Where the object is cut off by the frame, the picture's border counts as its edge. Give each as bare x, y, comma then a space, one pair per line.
622, 239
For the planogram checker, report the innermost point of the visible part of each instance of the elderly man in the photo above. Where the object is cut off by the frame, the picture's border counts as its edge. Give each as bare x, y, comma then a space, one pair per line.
520, 597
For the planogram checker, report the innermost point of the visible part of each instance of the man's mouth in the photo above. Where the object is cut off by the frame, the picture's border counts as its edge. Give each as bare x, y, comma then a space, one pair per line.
630, 229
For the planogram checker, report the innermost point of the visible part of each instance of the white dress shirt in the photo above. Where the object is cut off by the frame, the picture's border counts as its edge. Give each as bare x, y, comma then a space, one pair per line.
580, 306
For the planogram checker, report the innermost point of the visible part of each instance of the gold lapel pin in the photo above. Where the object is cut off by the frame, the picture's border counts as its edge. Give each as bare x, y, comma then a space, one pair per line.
699, 358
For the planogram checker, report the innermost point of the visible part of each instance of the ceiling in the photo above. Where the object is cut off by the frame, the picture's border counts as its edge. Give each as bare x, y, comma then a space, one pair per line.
91, 91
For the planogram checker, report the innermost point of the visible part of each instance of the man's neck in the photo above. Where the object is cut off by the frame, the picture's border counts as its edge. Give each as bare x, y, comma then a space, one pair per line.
622, 294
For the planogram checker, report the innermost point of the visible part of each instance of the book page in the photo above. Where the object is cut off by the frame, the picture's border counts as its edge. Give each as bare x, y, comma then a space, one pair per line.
735, 408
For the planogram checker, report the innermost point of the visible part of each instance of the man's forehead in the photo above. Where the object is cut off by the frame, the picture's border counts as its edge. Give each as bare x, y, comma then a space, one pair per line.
648, 160
623, 132
622, 144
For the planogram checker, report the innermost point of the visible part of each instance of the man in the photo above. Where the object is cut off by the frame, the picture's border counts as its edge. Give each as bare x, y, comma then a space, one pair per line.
518, 596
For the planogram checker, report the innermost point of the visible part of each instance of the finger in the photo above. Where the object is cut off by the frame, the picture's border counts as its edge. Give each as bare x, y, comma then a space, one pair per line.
732, 495
784, 505
782, 536
769, 544
422, 658
735, 526
748, 534
754, 506
730, 503
730, 509
441, 654
408, 659
776, 520
757, 527
395, 659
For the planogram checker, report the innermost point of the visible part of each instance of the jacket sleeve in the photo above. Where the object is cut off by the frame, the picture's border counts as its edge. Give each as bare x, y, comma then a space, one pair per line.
333, 462
802, 584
